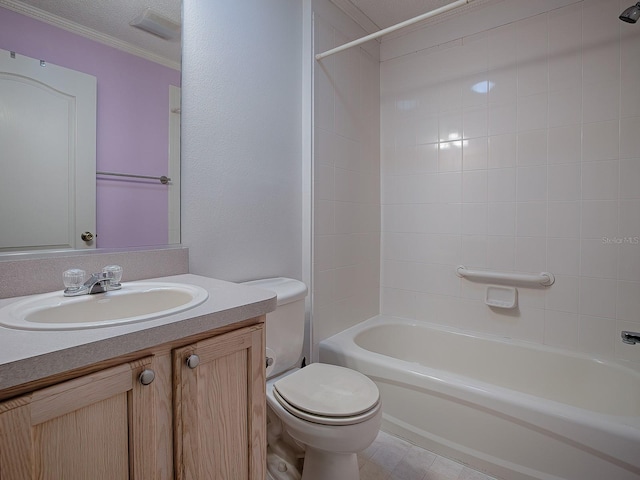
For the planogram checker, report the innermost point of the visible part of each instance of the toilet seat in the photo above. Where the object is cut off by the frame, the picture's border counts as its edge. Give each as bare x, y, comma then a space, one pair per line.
328, 395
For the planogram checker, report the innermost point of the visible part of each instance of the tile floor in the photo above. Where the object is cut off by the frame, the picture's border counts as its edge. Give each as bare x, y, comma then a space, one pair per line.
391, 458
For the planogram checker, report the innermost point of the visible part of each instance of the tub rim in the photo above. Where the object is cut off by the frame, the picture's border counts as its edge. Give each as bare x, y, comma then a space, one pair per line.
562, 420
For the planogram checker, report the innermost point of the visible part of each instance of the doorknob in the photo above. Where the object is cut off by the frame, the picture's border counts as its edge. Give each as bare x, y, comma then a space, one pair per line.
87, 236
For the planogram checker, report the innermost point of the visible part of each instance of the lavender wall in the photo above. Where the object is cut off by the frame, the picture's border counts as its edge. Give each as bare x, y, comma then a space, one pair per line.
132, 122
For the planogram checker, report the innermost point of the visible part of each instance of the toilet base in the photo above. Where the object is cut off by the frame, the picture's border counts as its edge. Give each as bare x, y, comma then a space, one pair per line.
321, 465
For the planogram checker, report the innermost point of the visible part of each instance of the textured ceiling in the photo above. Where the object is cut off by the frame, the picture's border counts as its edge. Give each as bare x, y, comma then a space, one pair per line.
112, 17
374, 15
387, 13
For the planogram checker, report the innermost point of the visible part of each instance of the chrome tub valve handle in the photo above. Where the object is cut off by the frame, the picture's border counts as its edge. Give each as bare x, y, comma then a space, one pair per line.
630, 338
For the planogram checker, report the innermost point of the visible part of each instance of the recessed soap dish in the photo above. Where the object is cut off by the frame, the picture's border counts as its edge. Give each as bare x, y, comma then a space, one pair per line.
501, 297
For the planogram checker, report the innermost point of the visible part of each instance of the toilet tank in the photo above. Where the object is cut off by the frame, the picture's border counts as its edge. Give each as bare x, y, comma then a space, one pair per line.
285, 325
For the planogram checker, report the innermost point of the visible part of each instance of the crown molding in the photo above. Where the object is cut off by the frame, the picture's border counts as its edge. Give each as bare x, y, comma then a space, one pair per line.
89, 33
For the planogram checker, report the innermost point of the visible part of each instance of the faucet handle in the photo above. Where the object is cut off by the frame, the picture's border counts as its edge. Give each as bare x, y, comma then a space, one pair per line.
73, 279
116, 275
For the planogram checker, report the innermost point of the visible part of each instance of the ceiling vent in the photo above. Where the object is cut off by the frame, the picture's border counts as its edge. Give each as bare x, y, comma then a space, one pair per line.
156, 24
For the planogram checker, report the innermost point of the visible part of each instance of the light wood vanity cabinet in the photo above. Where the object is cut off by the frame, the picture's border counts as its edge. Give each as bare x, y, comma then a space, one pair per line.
205, 422
219, 407
82, 428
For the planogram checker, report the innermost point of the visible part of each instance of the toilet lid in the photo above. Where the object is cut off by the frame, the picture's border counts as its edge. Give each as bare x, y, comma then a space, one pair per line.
328, 391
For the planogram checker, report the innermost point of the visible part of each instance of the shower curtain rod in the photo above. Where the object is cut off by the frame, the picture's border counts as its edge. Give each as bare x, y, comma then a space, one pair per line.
393, 28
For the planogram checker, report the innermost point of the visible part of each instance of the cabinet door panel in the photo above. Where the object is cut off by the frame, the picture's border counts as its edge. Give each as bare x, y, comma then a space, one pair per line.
222, 407
91, 440
100, 426
219, 408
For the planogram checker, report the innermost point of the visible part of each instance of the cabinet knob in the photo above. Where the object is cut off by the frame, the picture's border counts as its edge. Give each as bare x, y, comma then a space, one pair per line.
269, 361
193, 361
147, 377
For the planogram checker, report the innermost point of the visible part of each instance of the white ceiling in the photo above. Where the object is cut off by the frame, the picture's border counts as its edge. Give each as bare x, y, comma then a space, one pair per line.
374, 15
387, 13
112, 18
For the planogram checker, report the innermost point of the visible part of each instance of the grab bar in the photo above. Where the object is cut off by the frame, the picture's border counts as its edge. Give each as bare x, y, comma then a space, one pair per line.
163, 179
545, 278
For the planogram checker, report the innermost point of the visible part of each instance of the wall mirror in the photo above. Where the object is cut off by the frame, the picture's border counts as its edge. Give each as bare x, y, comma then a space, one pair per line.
136, 71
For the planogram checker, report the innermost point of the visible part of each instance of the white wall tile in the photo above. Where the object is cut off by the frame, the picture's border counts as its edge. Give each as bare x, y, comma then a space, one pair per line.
533, 112
598, 297
598, 259
501, 46
449, 187
450, 156
474, 219
629, 73
599, 219
531, 184
564, 219
531, 46
531, 254
600, 100
565, 144
600, 180
565, 182
601, 63
532, 148
474, 121
600, 141
565, 106
629, 226
561, 329
502, 185
474, 186
630, 178
628, 301
563, 256
501, 218
475, 153
426, 128
502, 118
501, 253
541, 173
531, 219
348, 180
565, 294
502, 150
596, 335
504, 83
629, 144
629, 259
474, 251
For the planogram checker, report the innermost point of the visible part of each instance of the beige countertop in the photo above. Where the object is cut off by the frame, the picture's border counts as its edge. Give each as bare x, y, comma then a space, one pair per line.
29, 355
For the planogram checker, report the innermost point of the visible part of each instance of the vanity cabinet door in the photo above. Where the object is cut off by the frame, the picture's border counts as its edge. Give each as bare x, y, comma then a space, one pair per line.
220, 407
100, 426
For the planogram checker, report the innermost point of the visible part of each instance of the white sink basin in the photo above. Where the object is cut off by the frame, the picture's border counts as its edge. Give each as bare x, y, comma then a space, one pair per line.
135, 302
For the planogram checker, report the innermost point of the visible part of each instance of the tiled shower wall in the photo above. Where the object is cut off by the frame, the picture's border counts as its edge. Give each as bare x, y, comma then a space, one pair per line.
346, 232
517, 149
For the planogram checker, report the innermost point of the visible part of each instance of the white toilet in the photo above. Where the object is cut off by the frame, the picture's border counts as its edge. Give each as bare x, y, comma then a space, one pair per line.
331, 412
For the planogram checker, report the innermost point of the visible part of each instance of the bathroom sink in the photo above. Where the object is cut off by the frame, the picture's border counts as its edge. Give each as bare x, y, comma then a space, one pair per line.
135, 302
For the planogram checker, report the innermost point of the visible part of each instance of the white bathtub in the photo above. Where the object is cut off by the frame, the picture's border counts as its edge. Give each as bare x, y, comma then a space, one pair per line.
512, 409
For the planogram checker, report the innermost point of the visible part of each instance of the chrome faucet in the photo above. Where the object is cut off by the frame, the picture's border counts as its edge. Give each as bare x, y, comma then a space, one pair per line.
631, 337
108, 279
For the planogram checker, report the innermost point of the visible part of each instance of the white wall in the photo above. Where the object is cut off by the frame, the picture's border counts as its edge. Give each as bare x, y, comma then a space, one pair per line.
540, 173
346, 193
241, 140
